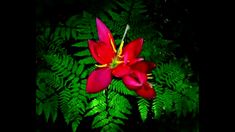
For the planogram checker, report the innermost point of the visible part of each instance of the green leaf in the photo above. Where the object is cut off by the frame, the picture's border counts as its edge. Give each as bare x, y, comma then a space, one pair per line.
47, 110
87, 60
39, 108
101, 123
99, 117
143, 106
75, 123
79, 69
81, 44
118, 121
85, 52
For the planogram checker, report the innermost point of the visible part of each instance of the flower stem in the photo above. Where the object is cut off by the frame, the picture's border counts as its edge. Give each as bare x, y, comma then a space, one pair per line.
122, 42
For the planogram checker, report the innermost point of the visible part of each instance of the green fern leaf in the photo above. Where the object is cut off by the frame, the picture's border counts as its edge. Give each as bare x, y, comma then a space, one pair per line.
97, 105
158, 105
111, 127
39, 108
109, 108
80, 69
81, 44
75, 68
87, 72
83, 53
118, 86
49, 107
143, 106
178, 104
87, 60
102, 123
167, 98
99, 117
65, 97
76, 123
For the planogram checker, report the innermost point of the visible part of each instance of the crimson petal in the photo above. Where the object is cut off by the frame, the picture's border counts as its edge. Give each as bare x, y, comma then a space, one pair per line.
121, 70
100, 52
134, 80
146, 91
143, 66
98, 80
104, 34
133, 49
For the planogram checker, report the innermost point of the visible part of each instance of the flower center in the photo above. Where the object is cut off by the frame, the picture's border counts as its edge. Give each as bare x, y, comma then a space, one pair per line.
116, 61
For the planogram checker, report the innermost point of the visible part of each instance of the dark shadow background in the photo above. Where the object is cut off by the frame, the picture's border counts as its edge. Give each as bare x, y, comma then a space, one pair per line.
176, 20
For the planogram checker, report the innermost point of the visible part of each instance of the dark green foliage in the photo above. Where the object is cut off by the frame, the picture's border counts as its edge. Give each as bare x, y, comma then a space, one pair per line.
73, 99
76, 28
49, 43
109, 109
174, 92
46, 95
61, 75
143, 105
118, 86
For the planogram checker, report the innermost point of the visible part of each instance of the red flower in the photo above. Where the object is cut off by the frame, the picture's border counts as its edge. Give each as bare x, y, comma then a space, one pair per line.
122, 63
137, 79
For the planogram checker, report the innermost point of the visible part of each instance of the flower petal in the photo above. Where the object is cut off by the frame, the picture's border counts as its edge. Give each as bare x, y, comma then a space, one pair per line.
135, 60
134, 80
143, 66
146, 91
104, 34
133, 49
100, 52
98, 80
121, 70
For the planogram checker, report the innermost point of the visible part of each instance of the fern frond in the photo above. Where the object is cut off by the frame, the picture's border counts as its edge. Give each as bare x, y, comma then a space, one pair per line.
118, 86
81, 44
118, 105
162, 48
73, 102
76, 28
46, 95
108, 108
169, 74
87, 60
178, 100
143, 106
178, 95
167, 99
97, 105
87, 72
111, 127
157, 105
66, 67
83, 53
49, 45
73, 99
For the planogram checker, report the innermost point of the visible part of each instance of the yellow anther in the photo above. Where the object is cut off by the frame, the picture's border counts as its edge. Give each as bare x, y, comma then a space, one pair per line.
120, 56
120, 48
149, 74
112, 43
104, 65
150, 77
119, 62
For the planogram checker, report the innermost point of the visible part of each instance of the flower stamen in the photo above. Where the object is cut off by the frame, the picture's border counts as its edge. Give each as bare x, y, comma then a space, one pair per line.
112, 43
122, 42
149, 74
104, 65
119, 62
